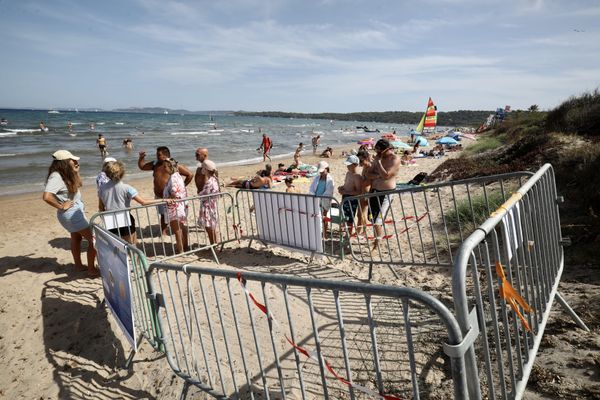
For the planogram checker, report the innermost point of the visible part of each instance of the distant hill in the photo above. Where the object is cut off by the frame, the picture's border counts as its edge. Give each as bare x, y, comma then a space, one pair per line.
161, 110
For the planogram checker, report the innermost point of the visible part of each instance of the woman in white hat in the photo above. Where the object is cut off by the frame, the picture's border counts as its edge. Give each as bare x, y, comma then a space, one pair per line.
62, 192
322, 186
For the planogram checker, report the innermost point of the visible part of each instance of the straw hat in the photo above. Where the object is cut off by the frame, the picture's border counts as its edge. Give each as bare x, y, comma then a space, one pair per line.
64, 155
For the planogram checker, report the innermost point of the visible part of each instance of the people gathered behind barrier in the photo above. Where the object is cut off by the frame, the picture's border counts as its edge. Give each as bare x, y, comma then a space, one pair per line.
62, 192
170, 179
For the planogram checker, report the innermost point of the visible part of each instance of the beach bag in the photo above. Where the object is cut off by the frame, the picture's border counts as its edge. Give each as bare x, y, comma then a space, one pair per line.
418, 179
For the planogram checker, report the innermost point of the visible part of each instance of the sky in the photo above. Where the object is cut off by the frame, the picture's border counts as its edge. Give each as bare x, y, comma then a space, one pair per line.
297, 56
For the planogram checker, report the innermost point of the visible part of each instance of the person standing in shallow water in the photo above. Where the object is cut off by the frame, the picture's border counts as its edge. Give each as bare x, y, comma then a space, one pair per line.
266, 146
101, 142
316, 141
62, 192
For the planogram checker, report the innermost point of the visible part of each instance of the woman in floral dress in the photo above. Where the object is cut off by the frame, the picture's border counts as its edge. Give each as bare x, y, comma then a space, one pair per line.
176, 212
209, 215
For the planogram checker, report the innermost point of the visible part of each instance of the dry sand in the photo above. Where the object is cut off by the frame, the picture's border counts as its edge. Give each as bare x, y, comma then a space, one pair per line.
55, 342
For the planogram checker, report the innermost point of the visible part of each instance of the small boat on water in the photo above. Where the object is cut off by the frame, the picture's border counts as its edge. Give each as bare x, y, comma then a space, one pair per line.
367, 130
53, 112
3, 122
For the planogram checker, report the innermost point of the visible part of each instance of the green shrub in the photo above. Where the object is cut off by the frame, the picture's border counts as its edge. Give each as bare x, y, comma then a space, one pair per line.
484, 143
474, 213
579, 115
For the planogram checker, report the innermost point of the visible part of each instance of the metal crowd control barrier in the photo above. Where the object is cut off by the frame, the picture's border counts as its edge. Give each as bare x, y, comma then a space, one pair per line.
157, 238
144, 311
292, 220
260, 336
507, 273
423, 225
253, 335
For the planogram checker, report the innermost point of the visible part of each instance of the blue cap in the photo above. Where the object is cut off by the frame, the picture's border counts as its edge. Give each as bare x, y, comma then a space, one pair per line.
352, 159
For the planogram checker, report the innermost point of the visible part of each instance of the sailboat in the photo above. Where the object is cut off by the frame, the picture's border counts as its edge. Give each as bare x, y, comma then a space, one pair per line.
429, 119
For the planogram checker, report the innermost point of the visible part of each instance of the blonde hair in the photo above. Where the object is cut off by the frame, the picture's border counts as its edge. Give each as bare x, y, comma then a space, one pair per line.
170, 166
114, 171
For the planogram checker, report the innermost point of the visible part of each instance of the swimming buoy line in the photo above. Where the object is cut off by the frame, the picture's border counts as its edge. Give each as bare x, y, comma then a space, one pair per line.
314, 355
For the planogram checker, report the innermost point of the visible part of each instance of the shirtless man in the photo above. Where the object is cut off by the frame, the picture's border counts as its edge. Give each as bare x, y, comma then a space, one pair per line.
161, 176
352, 187
383, 171
199, 177
316, 141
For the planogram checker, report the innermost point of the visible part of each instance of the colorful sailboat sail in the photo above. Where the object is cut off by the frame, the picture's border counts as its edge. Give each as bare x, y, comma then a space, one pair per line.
429, 119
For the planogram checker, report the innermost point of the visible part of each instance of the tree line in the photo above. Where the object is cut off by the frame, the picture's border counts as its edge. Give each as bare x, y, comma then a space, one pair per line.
448, 118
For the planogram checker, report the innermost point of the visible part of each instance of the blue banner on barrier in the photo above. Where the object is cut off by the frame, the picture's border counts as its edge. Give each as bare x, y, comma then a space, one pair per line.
115, 269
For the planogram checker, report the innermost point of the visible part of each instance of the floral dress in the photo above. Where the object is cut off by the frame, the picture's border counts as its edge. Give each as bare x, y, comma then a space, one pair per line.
209, 216
175, 189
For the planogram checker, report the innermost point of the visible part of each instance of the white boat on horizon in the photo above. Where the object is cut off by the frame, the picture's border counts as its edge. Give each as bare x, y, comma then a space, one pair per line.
53, 112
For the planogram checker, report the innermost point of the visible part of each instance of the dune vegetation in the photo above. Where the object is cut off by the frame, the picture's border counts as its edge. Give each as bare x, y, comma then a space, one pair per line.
568, 137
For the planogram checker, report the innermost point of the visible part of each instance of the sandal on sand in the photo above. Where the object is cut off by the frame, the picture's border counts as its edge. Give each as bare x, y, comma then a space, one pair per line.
80, 268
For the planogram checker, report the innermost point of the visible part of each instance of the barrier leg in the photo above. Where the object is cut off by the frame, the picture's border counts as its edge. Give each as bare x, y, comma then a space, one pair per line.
570, 311
132, 354
393, 272
214, 253
184, 391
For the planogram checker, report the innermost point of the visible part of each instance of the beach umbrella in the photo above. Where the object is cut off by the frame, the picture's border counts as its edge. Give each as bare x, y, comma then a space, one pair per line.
422, 141
399, 144
446, 140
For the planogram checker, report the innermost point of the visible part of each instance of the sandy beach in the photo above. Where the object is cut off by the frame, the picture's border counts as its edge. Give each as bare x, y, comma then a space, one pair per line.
55, 342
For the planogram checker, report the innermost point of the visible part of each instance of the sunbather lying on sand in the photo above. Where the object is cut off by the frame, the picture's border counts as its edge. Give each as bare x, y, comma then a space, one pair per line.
258, 182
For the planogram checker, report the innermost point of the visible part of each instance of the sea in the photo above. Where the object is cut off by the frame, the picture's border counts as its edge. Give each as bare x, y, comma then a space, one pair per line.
25, 150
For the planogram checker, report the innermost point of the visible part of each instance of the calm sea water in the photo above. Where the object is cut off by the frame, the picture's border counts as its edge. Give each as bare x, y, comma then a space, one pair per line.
25, 151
